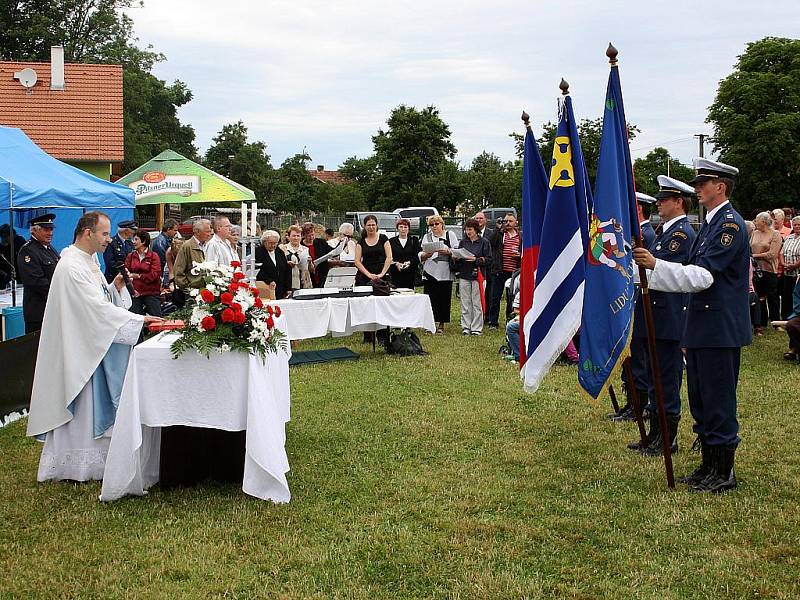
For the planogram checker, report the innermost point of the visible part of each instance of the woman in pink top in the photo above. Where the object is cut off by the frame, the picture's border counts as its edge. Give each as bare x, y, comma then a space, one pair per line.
765, 246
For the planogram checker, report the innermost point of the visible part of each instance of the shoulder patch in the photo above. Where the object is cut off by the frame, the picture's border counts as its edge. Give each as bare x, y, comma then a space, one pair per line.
726, 239
680, 234
27, 258
674, 244
731, 226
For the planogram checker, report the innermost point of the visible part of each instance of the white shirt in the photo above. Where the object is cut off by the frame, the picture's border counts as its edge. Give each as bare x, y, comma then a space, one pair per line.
670, 223
710, 214
219, 251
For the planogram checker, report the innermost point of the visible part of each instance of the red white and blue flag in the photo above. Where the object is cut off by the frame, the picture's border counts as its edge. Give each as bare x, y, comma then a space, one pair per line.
534, 199
555, 313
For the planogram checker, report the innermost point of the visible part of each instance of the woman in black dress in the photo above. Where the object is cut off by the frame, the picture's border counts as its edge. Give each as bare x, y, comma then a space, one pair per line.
373, 253
405, 256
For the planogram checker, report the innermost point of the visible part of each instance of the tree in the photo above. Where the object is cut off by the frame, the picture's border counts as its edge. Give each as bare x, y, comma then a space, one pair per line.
244, 162
411, 157
658, 162
295, 187
98, 31
756, 119
491, 182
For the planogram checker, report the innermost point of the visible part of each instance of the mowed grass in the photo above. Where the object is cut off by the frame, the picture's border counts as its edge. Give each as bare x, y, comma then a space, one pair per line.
434, 477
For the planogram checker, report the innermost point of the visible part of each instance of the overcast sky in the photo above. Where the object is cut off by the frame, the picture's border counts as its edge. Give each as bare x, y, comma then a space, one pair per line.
324, 76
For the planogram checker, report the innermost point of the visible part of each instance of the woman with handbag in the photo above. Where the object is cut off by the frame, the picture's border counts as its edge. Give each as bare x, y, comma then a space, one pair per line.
144, 267
437, 277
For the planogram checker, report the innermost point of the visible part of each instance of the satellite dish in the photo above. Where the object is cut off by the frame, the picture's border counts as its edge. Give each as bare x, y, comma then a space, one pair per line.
27, 77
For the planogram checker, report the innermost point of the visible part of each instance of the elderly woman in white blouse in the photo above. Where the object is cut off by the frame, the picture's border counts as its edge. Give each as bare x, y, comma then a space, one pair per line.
348, 256
437, 278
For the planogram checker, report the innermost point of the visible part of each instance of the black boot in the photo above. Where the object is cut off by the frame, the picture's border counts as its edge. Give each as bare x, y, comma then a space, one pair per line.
615, 415
640, 444
703, 470
627, 414
723, 474
656, 447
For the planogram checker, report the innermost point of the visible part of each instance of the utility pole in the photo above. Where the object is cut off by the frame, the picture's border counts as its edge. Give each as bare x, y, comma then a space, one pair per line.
701, 137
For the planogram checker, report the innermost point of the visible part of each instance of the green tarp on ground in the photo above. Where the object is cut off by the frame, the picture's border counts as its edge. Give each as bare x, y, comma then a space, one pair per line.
312, 357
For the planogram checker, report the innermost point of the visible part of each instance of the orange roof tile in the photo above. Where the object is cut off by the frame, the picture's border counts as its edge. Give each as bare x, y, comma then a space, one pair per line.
81, 122
334, 177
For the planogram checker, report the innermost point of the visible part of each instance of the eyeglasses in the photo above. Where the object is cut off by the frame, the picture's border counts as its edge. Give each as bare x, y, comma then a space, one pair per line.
509, 221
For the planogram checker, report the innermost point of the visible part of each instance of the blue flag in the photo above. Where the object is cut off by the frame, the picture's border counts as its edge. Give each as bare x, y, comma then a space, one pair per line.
609, 295
555, 314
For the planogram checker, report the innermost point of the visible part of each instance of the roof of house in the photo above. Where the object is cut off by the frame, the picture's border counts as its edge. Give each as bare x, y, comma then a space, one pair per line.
82, 122
334, 177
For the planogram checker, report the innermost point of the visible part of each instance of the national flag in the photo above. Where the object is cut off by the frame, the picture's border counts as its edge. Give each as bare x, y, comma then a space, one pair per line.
609, 294
555, 314
534, 199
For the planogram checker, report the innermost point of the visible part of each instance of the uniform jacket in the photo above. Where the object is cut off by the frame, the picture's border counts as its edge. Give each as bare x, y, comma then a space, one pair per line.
36, 265
719, 317
648, 234
669, 309
115, 254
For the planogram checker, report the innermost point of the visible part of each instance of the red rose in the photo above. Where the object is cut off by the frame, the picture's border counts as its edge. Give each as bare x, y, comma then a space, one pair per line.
270, 310
236, 307
207, 296
208, 323
236, 264
226, 298
258, 303
270, 322
232, 288
254, 291
239, 318
238, 276
228, 315
277, 311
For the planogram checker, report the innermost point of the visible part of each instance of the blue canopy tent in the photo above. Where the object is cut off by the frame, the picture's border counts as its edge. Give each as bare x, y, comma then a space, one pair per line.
32, 183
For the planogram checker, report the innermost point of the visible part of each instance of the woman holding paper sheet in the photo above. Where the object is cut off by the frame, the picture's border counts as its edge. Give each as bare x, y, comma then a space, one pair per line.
469, 287
436, 275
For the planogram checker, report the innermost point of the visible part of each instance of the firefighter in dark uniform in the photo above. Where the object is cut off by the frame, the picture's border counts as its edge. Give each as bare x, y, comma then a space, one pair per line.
644, 205
673, 242
119, 247
717, 322
37, 260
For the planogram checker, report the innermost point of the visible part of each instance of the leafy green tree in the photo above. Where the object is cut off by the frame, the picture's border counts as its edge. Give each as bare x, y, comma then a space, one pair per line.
98, 31
411, 155
756, 119
244, 162
295, 188
658, 162
491, 182
339, 198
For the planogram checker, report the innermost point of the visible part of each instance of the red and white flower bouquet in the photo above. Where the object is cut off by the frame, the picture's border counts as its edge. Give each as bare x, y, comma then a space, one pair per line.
228, 315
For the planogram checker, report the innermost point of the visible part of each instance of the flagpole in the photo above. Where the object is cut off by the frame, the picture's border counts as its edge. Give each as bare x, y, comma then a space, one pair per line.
655, 369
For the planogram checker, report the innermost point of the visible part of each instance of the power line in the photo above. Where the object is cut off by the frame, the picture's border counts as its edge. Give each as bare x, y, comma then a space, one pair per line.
681, 139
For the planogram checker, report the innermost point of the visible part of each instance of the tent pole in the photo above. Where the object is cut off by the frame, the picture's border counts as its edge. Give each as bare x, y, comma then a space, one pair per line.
13, 264
159, 216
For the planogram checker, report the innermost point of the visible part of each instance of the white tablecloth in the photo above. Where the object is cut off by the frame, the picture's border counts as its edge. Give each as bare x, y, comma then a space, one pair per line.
342, 316
232, 391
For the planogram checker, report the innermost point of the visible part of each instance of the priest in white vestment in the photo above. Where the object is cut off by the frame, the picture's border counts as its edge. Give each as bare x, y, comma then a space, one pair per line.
84, 347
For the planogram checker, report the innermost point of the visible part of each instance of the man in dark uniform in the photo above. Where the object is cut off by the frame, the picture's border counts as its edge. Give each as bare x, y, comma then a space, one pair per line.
120, 246
673, 242
37, 261
717, 322
644, 204
9, 263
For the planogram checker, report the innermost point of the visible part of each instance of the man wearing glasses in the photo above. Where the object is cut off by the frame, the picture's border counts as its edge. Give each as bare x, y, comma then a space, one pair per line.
219, 249
506, 256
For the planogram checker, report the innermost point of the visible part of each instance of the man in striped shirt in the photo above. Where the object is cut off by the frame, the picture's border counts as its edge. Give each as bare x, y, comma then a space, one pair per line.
506, 253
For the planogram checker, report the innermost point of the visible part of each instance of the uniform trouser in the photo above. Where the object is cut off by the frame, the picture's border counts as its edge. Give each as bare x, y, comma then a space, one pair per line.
712, 375
471, 310
640, 367
670, 363
786, 284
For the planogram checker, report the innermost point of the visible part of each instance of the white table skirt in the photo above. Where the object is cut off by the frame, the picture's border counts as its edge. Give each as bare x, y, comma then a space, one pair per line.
342, 316
232, 391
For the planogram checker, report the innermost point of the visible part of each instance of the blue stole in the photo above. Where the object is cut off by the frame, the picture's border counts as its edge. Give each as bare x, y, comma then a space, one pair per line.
107, 386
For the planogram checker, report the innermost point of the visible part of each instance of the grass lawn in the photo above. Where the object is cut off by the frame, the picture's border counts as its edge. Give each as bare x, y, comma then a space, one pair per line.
434, 477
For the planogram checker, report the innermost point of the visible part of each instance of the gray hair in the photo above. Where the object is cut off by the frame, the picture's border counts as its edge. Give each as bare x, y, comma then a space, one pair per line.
778, 215
218, 221
763, 216
270, 233
236, 230
199, 225
795, 219
346, 229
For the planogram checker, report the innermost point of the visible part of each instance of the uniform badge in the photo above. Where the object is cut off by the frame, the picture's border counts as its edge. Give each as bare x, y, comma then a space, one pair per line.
731, 226
27, 258
726, 239
674, 246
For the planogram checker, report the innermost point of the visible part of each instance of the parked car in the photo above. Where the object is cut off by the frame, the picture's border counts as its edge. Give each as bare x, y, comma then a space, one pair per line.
386, 222
492, 214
